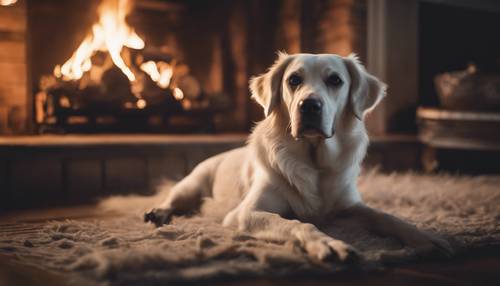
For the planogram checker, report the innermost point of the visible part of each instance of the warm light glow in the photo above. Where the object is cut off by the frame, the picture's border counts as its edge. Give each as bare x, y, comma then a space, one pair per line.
151, 70
141, 104
160, 72
111, 33
178, 94
7, 2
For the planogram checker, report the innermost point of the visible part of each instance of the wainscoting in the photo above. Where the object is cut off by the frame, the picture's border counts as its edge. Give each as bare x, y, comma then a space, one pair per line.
39, 171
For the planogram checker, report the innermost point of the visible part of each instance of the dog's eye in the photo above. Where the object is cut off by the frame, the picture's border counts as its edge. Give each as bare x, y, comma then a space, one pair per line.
294, 80
334, 80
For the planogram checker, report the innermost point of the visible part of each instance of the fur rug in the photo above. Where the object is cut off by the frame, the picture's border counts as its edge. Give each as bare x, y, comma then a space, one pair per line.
125, 251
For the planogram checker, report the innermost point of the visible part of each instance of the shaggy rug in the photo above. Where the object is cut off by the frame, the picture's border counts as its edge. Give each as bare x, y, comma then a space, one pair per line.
122, 250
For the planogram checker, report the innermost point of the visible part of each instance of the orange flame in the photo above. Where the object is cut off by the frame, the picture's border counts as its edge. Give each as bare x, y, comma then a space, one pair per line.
160, 72
7, 2
178, 93
111, 33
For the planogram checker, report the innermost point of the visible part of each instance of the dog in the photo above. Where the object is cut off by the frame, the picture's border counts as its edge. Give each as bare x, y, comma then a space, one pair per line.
300, 165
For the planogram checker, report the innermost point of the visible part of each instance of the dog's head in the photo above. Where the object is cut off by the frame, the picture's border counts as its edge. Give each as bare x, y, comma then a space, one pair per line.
317, 89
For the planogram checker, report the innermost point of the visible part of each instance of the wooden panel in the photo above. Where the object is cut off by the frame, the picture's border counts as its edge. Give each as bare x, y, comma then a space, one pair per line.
36, 178
195, 156
402, 66
3, 178
394, 153
170, 166
459, 129
392, 48
52, 170
126, 175
84, 177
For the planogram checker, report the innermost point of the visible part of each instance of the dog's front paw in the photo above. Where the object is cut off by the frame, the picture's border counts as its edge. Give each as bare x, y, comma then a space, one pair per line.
331, 249
158, 216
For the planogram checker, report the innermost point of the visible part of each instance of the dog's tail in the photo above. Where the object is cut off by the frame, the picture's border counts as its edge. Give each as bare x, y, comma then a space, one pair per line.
135, 204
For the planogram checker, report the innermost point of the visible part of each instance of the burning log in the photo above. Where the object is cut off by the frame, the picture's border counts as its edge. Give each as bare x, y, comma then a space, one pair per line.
115, 86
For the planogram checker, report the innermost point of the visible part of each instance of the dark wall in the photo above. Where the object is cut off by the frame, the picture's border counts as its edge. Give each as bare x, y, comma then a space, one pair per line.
451, 37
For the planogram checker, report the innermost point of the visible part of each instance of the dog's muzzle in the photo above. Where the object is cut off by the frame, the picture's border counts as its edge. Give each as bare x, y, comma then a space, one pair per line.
311, 118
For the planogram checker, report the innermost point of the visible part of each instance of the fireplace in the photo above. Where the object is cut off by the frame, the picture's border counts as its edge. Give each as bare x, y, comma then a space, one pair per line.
156, 66
130, 73
183, 67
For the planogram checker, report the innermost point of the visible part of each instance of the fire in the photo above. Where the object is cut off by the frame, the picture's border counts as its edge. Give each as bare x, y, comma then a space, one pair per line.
160, 72
111, 33
7, 2
178, 94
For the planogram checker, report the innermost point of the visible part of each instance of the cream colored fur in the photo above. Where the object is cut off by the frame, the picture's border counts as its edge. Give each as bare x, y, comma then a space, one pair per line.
284, 184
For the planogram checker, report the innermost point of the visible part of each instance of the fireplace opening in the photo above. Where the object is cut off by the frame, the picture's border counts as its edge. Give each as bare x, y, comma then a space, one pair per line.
453, 38
128, 72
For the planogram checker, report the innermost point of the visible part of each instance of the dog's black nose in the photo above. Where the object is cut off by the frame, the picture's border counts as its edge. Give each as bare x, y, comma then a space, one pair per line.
310, 106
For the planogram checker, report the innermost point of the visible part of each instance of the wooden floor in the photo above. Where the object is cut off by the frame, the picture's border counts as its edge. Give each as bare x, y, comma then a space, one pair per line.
473, 268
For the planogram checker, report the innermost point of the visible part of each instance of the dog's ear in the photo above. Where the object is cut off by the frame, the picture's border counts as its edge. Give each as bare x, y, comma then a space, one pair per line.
365, 91
266, 88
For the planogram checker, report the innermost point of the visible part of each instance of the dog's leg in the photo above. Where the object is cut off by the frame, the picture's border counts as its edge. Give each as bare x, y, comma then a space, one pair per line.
186, 196
258, 214
388, 225
270, 226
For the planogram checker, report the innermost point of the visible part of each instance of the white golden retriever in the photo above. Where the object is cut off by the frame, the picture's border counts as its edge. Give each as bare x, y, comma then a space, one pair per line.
301, 163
